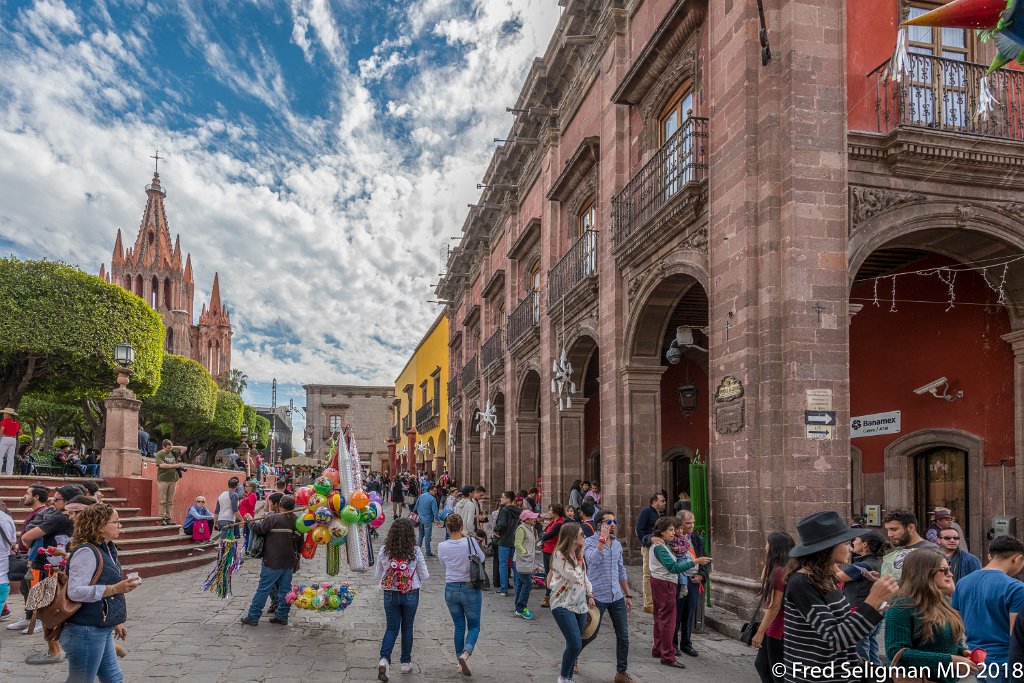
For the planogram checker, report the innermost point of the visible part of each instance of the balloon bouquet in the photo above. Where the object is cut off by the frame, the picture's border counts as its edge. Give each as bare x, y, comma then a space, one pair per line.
338, 511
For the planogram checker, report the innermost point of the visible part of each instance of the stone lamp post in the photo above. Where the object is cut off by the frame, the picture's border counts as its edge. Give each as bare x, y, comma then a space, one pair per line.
120, 456
243, 447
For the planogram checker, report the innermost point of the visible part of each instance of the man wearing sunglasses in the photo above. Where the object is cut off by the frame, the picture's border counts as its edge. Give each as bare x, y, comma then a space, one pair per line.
960, 561
607, 574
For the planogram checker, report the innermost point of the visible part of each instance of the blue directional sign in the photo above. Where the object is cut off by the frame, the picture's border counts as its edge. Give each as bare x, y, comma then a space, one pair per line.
820, 417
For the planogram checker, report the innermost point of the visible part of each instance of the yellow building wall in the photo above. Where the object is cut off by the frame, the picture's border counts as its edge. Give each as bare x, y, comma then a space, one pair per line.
430, 355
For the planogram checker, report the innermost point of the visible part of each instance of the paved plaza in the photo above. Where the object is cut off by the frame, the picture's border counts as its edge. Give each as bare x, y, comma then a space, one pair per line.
178, 632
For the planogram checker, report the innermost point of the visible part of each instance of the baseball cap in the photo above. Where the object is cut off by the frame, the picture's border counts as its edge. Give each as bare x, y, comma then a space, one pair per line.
528, 515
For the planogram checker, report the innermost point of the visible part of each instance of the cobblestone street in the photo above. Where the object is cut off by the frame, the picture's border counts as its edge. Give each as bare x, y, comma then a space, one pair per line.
177, 632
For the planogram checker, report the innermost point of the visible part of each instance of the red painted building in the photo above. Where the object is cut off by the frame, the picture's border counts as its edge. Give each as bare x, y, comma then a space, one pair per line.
748, 262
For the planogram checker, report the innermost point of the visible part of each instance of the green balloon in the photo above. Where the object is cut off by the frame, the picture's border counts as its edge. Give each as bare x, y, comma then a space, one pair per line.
305, 524
349, 514
367, 515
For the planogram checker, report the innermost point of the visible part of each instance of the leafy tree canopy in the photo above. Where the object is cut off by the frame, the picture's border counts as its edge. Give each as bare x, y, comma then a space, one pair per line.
59, 327
51, 414
227, 419
187, 395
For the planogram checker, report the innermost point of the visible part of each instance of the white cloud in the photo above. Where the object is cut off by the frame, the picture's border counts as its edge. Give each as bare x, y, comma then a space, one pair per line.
325, 231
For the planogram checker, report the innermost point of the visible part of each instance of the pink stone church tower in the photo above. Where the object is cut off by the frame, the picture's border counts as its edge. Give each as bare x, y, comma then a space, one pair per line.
152, 269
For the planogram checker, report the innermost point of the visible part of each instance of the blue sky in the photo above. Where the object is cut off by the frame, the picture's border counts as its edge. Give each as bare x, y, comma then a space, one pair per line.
318, 154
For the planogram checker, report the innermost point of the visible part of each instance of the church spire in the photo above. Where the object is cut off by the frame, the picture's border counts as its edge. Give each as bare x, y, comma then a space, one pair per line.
176, 257
153, 245
215, 296
188, 269
118, 257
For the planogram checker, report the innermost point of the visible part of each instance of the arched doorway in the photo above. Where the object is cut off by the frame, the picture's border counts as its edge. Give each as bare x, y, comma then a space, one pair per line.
528, 439
933, 310
441, 454
454, 453
579, 424
676, 473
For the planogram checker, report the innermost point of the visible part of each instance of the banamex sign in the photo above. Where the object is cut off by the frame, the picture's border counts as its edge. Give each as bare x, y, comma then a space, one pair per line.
875, 424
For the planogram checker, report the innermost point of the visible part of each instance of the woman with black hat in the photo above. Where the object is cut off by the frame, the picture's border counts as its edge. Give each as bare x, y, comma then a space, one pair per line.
821, 630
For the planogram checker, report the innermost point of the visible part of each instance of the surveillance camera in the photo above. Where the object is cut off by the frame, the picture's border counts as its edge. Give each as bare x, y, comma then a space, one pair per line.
931, 387
673, 355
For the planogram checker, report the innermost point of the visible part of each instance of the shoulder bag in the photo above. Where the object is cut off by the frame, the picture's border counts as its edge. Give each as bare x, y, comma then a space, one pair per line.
750, 627
477, 572
18, 562
49, 601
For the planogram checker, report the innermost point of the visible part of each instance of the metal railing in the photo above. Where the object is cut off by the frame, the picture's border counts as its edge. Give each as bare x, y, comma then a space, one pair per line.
683, 159
453, 388
937, 93
524, 318
394, 432
470, 372
579, 263
406, 423
492, 350
424, 413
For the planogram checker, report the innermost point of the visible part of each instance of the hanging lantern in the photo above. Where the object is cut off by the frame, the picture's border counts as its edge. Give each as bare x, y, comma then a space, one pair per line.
688, 395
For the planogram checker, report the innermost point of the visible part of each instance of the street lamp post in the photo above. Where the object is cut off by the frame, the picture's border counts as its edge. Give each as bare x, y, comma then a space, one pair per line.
120, 456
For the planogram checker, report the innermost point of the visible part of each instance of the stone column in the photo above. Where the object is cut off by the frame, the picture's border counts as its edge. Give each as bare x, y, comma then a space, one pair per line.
527, 449
570, 455
633, 475
392, 456
1016, 341
410, 459
495, 468
120, 456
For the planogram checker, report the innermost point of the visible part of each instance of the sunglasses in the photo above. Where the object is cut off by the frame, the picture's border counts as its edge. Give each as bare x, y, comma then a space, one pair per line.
613, 522
945, 570
949, 538
58, 500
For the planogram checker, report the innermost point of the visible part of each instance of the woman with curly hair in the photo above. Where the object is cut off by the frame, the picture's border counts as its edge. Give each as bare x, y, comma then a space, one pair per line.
94, 579
922, 629
820, 628
400, 570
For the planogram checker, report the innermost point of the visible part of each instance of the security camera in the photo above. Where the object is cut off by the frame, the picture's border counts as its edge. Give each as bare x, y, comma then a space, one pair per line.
673, 355
931, 387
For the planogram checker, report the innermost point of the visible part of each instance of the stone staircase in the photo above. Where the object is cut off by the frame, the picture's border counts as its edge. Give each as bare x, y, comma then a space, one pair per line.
145, 546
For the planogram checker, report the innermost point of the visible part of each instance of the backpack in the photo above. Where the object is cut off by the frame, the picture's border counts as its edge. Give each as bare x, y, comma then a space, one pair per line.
49, 600
398, 575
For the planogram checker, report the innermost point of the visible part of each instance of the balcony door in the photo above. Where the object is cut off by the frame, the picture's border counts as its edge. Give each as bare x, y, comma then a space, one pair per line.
585, 230
938, 92
534, 285
676, 143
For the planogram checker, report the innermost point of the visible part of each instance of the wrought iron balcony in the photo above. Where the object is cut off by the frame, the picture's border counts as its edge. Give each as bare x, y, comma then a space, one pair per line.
524, 319
578, 264
426, 417
406, 424
682, 160
394, 433
453, 390
492, 350
470, 374
943, 94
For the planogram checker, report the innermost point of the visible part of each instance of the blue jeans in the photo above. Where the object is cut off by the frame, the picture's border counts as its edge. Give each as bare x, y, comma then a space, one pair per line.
400, 610
867, 647
91, 655
571, 625
426, 529
92, 470
464, 603
504, 555
523, 583
272, 582
617, 611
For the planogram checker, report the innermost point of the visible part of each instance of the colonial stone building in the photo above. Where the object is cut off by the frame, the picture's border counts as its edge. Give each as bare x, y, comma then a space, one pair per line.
152, 269
764, 265
368, 410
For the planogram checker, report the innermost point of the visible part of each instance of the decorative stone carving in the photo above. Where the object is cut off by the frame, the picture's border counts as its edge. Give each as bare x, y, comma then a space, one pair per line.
729, 416
868, 202
640, 280
697, 240
965, 214
1015, 209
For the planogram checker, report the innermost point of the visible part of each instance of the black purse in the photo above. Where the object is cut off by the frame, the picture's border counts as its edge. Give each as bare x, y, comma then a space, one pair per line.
18, 562
477, 572
749, 628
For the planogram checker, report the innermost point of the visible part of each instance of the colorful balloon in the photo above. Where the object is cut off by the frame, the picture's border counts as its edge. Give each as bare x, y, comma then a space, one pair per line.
321, 535
322, 485
324, 515
378, 509
375, 497
367, 515
377, 522
349, 514
316, 501
333, 475
359, 499
302, 496
305, 523
338, 529
336, 502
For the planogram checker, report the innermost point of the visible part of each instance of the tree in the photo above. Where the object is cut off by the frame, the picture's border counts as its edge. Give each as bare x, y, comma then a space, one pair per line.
223, 430
185, 401
59, 327
47, 415
234, 381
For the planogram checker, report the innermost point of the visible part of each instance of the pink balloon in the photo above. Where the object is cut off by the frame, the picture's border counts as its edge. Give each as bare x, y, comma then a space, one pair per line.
377, 522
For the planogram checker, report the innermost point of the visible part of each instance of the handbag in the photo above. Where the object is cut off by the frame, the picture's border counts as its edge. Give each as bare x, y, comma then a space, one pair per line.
49, 602
17, 563
750, 627
414, 518
257, 543
477, 572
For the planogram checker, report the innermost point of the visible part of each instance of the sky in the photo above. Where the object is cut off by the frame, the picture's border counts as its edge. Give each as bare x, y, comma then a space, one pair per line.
318, 155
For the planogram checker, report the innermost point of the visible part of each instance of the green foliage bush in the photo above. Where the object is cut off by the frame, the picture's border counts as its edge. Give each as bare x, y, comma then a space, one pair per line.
70, 322
261, 428
60, 442
227, 419
187, 394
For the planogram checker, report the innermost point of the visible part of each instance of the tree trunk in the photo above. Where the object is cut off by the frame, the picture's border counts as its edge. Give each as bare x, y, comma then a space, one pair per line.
96, 416
15, 382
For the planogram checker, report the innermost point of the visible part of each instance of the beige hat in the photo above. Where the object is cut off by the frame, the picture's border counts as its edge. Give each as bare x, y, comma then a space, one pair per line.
8, 411
593, 622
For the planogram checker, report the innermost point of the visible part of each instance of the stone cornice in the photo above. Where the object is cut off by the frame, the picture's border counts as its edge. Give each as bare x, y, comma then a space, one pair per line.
495, 284
586, 156
528, 237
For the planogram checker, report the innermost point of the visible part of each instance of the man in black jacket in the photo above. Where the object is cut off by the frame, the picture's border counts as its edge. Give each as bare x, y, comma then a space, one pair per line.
280, 557
505, 530
644, 528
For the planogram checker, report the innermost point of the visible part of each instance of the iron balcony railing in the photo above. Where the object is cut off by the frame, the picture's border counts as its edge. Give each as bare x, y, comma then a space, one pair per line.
937, 93
394, 432
470, 373
524, 318
424, 413
406, 423
453, 388
491, 353
683, 159
579, 263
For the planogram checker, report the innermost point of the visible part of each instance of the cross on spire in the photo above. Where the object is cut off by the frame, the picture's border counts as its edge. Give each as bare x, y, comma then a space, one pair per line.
156, 163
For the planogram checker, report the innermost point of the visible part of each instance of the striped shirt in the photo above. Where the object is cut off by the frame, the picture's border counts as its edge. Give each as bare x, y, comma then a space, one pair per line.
821, 631
605, 569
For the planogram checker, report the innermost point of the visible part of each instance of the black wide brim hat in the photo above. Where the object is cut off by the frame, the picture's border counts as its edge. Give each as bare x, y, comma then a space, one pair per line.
820, 531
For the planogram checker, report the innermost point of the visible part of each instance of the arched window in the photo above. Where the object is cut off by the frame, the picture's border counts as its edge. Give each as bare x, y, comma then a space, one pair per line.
154, 292
168, 298
170, 340
138, 287
128, 282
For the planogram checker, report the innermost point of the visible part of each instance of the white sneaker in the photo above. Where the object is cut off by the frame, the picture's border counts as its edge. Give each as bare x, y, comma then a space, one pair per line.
406, 667
383, 669
39, 627
18, 625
